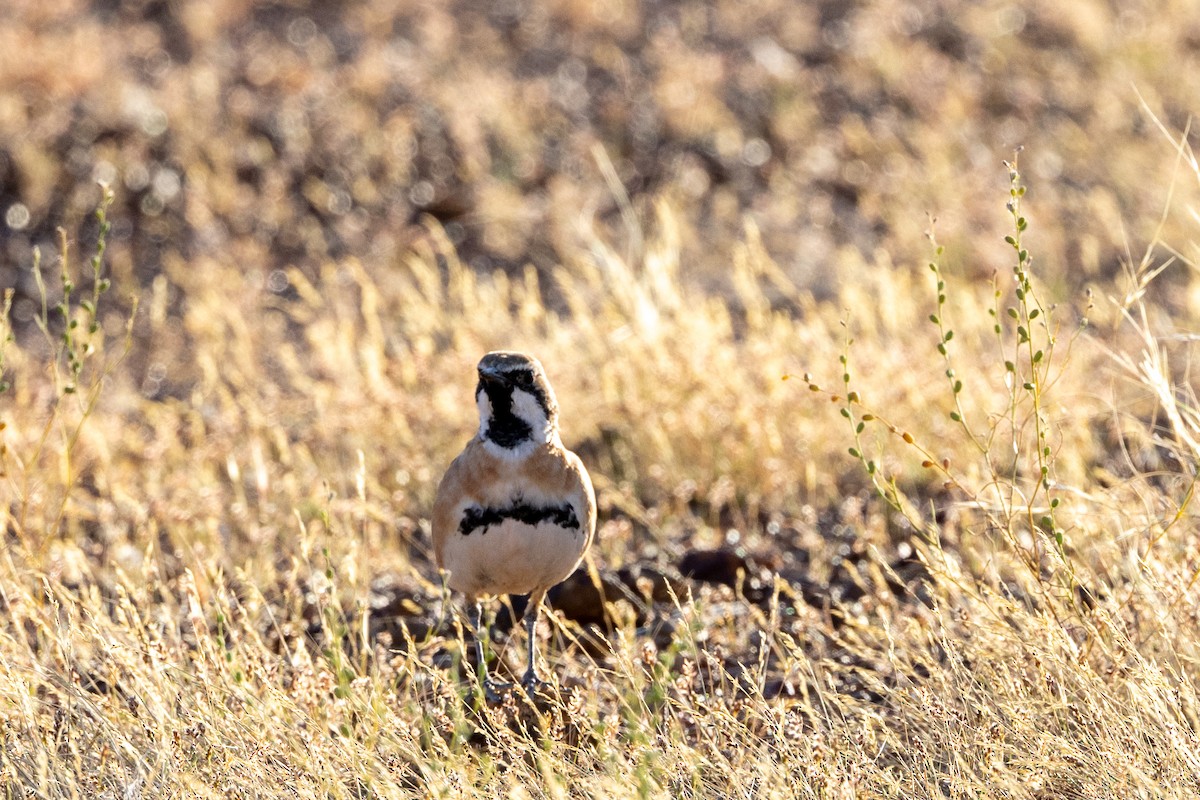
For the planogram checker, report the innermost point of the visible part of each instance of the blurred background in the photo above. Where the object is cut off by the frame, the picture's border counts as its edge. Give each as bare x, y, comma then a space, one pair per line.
291, 134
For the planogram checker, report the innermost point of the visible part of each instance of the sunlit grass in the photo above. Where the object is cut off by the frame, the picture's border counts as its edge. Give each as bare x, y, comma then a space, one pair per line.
198, 618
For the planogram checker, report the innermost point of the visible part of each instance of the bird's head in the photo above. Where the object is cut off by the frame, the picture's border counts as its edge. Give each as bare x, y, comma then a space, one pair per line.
516, 404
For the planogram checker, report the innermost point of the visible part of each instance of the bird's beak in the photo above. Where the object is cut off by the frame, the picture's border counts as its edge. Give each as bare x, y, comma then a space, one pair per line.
489, 376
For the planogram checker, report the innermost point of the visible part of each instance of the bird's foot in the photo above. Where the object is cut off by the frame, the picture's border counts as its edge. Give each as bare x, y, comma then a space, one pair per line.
534, 685
494, 691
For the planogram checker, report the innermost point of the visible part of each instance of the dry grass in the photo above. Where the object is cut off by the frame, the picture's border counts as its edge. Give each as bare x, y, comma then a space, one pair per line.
215, 574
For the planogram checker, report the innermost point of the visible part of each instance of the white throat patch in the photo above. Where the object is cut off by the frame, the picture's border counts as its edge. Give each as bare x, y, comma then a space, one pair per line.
527, 409
485, 413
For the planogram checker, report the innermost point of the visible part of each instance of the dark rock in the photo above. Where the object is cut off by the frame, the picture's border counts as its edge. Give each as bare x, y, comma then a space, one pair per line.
583, 598
653, 584
722, 566
728, 567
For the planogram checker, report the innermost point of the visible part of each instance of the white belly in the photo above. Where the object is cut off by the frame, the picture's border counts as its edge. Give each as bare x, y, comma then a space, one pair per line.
512, 557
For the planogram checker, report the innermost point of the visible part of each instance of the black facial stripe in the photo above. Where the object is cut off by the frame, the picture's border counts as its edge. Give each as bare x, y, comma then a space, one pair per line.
480, 518
505, 428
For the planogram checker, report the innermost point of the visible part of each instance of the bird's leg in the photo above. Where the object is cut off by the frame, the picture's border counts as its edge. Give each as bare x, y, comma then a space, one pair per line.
475, 617
532, 681
475, 612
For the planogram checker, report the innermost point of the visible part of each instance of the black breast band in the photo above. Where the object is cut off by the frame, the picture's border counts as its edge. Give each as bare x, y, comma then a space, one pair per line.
481, 518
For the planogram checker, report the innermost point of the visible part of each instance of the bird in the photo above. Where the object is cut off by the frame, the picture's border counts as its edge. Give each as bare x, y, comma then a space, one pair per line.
515, 512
